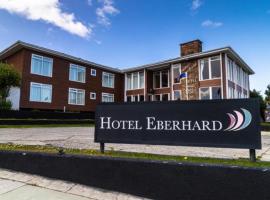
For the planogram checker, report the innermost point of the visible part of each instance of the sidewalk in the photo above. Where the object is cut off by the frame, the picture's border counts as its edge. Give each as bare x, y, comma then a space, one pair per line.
21, 186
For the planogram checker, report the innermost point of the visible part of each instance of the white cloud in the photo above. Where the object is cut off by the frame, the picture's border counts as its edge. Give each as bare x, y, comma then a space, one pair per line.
196, 4
48, 11
212, 24
106, 9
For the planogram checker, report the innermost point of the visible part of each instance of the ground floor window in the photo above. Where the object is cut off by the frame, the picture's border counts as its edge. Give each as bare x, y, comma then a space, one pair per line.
76, 96
177, 95
40, 92
161, 97
135, 98
107, 97
210, 93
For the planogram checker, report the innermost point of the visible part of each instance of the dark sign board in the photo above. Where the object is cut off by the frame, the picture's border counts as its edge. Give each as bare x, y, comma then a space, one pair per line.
210, 123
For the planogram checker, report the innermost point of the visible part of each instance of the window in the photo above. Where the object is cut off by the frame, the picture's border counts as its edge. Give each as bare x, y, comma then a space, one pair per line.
135, 80
210, 93
129, 98
230, 69
141, 75
177, 95
40, 92
215, 67
165, 97
156, 79
129, 82
93, 95
93, 72
76, 96
204, 69
107, 97
216, 93
77, 73
156, 97
210, 68
204, 93
41, 65
230, 93
107, 80
141, 98
165, 79
161, 79
176, 73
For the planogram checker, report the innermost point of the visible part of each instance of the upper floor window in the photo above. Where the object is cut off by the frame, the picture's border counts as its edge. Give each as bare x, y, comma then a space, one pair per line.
107, 80
77, 73
107, 97
210, 68
135, 80
76, 96
176, 73
93, 72
161, 79
40, 92
41, 65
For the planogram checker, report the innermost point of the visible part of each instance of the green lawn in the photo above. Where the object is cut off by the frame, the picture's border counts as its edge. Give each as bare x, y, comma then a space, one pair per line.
111, 153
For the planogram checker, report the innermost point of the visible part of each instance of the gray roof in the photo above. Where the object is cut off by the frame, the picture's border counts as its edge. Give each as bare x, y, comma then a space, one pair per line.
19, 45
228, 50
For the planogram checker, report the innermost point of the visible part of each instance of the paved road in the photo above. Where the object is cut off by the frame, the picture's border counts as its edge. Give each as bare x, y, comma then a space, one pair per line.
21, 186
83, 137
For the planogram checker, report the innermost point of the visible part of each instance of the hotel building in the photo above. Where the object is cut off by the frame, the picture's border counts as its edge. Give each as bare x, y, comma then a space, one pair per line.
53, 80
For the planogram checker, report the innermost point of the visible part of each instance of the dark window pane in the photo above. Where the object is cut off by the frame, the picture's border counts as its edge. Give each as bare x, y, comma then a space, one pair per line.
215, 69
216, 93
165, 97
141, 97
157, 97
128, 98
157, 80
165, 82
176, 73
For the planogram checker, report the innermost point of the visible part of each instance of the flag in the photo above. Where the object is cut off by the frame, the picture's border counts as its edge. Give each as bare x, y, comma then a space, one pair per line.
183, 75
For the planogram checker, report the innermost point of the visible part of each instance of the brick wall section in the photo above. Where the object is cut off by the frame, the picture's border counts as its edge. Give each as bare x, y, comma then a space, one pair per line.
61, 84
191, 47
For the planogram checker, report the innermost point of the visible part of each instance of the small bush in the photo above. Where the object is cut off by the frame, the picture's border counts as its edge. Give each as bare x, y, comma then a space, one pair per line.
5, 105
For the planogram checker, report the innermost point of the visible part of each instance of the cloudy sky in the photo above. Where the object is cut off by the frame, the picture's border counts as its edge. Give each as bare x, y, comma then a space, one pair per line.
127, 33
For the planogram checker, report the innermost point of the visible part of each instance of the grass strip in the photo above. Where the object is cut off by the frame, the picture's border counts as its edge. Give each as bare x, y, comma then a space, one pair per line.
146, 156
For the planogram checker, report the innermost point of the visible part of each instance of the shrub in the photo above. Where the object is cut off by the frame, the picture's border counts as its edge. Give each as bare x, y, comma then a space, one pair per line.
5, 105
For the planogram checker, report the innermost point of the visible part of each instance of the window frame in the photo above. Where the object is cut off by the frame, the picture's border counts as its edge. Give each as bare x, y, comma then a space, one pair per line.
108, 74
42, 60
76, 89
179, 66
132, 74
160, 79
95, 95
180, 92
71, 65
210, 92
210, 68
41, 85
93, 72
107, 94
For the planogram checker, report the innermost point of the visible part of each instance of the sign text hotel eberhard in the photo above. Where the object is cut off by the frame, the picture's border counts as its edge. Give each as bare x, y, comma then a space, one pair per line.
218, 123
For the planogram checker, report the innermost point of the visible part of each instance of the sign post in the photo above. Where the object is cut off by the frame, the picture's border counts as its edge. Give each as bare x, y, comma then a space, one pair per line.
206, 123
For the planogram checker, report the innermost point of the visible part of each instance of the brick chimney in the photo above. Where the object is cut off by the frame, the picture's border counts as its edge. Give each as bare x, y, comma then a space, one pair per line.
191, 47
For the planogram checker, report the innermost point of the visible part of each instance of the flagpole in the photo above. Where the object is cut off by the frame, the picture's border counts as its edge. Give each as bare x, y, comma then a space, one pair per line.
187, 85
